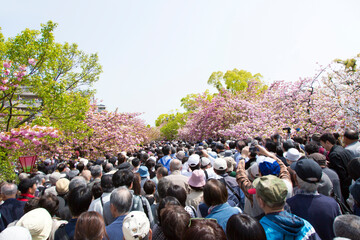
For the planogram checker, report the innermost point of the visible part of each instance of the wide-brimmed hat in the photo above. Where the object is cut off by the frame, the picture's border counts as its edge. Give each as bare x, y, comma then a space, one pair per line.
197, 178
292, 155
38, 222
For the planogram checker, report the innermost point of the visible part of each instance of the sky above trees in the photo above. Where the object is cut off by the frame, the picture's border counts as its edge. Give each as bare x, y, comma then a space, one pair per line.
153, 53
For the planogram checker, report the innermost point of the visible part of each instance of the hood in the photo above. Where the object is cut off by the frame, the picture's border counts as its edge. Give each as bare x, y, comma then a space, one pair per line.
289, 223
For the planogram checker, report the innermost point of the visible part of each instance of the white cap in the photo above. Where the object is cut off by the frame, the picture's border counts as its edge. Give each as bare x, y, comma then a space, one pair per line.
205, 161
38, 222
292, 155
136, 225
220, 164
193, 160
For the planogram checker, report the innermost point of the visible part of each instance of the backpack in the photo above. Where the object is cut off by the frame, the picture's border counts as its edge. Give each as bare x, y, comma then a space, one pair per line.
234, 198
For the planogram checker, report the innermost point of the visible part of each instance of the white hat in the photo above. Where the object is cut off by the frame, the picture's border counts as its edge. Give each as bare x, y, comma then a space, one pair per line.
193, 160
292, 155
135, 225
220, 164
84, 161
15, 232
38, 222
205, 161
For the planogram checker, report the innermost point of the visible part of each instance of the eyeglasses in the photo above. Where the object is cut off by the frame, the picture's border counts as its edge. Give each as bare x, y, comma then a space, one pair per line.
201, 220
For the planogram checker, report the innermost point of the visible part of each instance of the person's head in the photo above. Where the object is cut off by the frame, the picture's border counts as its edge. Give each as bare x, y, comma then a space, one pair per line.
288, 144
161, 172
174, 220
168, 200
194, 162
270, 146
308, 174
350, 136
79, 200
215, 193
175, 165
203, 228
136, 226
15, 232
50, 202
219, 147
61, 167
271, 193
106, 183
32, 204
8, 190
38, 221
120, 201
96, 190
62, 186
166, 150
77, 182
123, 178
135, 162
28, 185
220, 166
149, 187
90, 225
292, 155
347, 226
327, 141
136, 185
319, 158
96, 171
163, 186
243, 227
268, 166
197, 180
353, 168
311, 148
178, 192
80, 166
108, 167
86, 174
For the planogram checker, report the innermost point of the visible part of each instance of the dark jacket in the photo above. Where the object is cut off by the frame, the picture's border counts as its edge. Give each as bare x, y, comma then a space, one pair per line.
338, 161
10, 211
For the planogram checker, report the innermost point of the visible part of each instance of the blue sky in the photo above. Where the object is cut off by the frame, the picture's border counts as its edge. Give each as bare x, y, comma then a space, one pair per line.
153, 52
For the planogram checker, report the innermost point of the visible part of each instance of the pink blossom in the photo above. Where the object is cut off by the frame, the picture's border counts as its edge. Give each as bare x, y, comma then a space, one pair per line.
7, 64
32, 61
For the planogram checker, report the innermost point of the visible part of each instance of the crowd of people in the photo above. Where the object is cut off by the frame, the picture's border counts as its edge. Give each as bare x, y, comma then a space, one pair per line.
254, 189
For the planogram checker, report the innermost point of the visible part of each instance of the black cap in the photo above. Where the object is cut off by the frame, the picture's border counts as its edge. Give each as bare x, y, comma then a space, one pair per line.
308, 170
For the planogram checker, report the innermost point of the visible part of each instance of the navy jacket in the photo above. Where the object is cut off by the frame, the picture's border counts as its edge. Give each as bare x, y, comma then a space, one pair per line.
10, 211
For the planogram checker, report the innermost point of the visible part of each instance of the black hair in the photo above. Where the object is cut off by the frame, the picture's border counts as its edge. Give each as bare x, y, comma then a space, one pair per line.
135, 162
353, 168
166, 202
270, 146
166, 150
25, 184
123, 178
96, 190
311, 148
61, 167
80, 166
351, 134
79, 200
287, 145
243, 227
178, 192
328, 137
50, 202
149, 187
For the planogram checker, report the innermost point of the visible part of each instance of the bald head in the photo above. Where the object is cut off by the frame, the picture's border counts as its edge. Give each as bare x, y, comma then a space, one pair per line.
86, 174
175, 164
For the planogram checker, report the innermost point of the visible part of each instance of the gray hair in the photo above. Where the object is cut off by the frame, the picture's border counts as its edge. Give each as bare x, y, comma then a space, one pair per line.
96, 171
9, 189
307, 187
121, 198
163, 186
347, 226
77, 181
175, 165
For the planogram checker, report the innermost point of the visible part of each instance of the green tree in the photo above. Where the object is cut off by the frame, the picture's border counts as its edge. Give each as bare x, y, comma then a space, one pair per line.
60, 78
235, 80
189, 102
170, 123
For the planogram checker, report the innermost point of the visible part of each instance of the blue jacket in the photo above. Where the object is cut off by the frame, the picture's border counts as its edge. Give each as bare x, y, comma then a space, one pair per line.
165, 161
222, 213
286, 226
114, 230
10, 211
